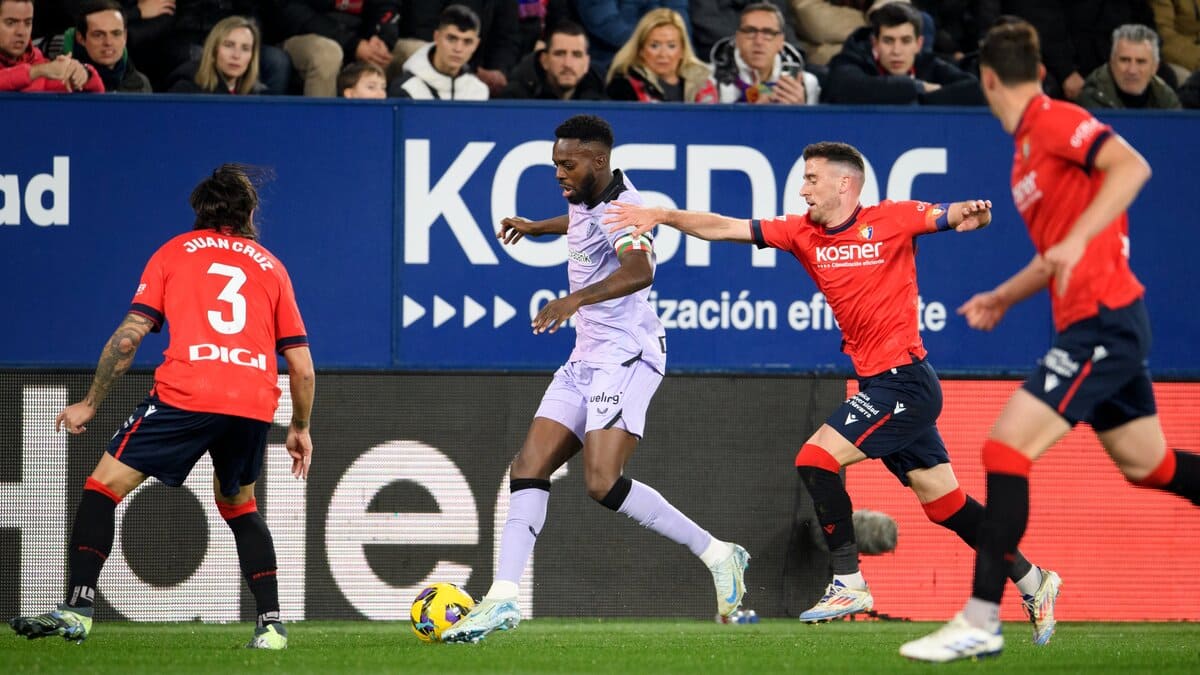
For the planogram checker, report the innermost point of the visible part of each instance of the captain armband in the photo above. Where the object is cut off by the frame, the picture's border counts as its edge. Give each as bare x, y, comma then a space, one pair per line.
631, 242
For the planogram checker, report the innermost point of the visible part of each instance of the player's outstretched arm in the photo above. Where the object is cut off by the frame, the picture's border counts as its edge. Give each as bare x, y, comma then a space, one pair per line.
985, 310
710, 226
970, 215
514, 228
303, 379
115, 359
1125, 172
634, 274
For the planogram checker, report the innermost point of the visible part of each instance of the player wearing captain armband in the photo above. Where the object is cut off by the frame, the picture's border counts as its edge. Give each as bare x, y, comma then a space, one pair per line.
597, 402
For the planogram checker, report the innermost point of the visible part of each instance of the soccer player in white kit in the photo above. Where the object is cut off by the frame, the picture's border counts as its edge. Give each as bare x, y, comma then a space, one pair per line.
598, 399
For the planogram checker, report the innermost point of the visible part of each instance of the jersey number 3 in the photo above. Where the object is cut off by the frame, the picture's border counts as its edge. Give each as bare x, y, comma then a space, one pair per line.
229, 294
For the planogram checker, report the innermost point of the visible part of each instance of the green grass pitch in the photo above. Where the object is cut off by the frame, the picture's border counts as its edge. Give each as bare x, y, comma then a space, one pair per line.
597, 646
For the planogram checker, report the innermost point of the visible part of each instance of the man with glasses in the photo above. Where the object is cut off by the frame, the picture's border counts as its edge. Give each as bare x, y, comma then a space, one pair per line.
715, 20
757, 65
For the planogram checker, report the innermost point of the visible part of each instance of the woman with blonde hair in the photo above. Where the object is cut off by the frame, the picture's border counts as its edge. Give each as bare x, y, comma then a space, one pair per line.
229, 64
658, 64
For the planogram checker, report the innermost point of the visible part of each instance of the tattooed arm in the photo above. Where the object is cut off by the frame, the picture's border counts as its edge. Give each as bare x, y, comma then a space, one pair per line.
115, 359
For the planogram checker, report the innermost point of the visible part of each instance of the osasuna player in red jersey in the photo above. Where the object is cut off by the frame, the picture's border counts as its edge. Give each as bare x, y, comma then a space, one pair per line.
863, 259
230, 307
1072, 179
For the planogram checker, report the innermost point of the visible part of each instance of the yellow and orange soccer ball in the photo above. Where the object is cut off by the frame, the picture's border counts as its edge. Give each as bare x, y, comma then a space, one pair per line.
437, 608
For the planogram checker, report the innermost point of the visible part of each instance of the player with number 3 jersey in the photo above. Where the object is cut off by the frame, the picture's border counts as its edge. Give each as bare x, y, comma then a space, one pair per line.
230, 307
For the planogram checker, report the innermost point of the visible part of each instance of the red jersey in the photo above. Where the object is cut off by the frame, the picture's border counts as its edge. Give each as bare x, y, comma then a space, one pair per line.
1053, 181
866, 267
230, 307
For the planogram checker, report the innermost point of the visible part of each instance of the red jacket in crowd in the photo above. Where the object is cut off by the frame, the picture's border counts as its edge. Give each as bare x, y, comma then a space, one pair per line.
14, 75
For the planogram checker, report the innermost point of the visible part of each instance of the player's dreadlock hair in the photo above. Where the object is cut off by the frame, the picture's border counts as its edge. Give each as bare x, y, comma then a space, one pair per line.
832, 151
1011, 48
226, 200
586, 129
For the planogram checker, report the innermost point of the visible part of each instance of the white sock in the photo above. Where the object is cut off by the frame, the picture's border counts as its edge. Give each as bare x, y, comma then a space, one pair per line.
983, 614
855, 581
1028, 584
502, 590
715, 552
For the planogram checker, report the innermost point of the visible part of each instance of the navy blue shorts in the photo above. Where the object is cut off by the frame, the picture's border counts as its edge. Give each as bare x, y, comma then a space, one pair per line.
166, 442
1097, 370
893, 417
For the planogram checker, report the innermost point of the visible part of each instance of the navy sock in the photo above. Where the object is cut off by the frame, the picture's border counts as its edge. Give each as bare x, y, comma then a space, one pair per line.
91, 542
835, 513
1186, 481
1003, 525
965, 523
256, 555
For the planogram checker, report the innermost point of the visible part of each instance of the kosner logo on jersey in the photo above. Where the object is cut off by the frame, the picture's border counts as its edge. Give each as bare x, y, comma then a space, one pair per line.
47, 196
430, 199
846, 252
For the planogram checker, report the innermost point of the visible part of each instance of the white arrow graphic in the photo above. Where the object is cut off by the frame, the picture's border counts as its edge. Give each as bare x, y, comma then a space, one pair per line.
472, 311
442, 311
411, 311
501, 311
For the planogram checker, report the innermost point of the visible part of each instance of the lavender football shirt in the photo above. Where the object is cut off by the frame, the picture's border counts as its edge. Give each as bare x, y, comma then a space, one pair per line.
620, 329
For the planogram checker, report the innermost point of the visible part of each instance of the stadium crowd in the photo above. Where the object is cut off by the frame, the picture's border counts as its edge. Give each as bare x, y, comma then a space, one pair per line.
1098, 53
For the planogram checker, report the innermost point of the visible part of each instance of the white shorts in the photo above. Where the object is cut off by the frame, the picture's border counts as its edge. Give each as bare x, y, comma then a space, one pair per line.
586, 396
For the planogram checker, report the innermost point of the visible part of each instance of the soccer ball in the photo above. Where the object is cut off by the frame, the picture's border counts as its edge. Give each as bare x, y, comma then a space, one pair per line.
437, 608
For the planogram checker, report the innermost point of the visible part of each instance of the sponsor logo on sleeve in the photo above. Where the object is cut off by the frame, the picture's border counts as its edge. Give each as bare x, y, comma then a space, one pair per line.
1086, 130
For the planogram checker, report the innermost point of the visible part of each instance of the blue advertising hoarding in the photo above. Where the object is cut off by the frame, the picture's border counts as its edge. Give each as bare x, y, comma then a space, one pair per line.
120, 169
385, 216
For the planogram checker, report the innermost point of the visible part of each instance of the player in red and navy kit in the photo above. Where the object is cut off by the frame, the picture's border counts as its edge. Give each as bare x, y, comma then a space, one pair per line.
863, 259
230, 307
1073, 177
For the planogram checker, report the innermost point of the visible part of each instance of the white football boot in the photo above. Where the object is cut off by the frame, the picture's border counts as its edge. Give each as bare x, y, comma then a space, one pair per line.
956, 640
485, 617
729, 578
